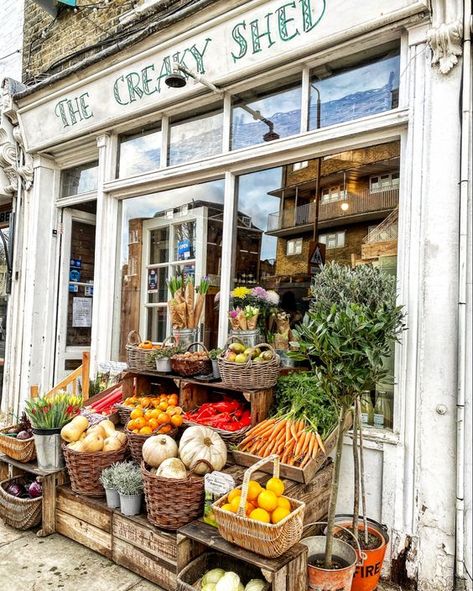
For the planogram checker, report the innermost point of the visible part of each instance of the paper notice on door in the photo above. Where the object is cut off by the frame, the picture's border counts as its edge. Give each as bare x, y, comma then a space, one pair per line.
82, 312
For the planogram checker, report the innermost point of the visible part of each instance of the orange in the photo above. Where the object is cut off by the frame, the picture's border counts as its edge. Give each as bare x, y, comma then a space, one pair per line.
146, 402
177, 410
136, 430
177, 420
163, 418
228, 507
154, 413
279, 514
136, 413
163, 405
139, 423
267, 500
146, 431
275, 485
131, 424
236, 492
260, 515
171, 410
284, 503
165, 429
153, 423
235, 503
254, 489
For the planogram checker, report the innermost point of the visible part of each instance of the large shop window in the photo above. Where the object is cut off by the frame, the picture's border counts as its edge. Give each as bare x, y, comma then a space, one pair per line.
80, 179
343, 93
168, 234
139, 152
197, 137
283, 212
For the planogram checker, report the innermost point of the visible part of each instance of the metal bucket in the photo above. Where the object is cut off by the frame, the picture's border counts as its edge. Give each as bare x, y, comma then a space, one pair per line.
185, 336
48, 448
321, 579
250, 338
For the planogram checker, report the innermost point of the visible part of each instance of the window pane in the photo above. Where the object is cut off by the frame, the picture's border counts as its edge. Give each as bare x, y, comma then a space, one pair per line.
353, 93
157, 285
80, 179
196, 138
159, 247
259, 117
156, 325
184, 241
139, 153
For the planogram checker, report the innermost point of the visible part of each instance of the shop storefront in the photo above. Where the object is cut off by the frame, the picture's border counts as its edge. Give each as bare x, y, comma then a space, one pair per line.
326, 127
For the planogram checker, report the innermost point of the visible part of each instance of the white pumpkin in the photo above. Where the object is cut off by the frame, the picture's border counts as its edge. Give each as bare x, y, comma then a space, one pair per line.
201, 443
158, 448
172, 468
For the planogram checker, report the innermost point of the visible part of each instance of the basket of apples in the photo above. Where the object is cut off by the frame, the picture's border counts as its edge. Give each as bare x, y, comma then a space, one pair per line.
249, 368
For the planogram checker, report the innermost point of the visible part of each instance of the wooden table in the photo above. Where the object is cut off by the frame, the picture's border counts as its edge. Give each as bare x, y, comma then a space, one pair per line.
49, 480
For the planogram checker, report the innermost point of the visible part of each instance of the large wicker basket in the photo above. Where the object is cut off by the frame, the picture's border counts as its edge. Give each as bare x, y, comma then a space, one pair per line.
250, 375
189, 368
138, 359
231, 438
86, 468
22, 450
189, 578
136, 442
267, 539
19, 513
173, 503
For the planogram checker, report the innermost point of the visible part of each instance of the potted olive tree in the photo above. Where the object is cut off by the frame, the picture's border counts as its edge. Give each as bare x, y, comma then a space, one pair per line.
347, 335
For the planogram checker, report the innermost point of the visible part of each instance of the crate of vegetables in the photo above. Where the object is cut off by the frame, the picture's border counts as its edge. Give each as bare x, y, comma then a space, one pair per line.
230, 418
17, 441
21, 502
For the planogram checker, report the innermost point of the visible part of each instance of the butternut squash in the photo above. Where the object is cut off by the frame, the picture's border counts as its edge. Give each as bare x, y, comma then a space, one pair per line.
108, 427
93, 442
76, 446
73, 430
97, 430
112, 443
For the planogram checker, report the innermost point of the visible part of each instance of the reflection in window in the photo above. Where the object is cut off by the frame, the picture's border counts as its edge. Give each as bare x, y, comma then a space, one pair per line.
264, 116
195, 138
80, 179
333, 240
384, 182
355, 92
294, 247
139, 153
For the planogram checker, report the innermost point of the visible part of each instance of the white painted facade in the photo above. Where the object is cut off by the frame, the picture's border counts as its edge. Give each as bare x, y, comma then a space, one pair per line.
417, 472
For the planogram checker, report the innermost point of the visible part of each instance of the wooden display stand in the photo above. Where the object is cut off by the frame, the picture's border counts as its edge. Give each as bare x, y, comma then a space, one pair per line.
49, 480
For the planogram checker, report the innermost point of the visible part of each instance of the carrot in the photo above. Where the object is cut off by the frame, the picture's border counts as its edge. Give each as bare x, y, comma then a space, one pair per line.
299, 444
294, 431
312, 442
321, 443
261, 427
288, 432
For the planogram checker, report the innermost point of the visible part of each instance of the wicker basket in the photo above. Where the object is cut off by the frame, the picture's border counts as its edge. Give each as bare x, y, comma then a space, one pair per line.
173, 503
22, 450
231, 438
188, 368
138, 359
19, 513
86, 468
189, 578
250, 375
136, 442
124, 413
269, 540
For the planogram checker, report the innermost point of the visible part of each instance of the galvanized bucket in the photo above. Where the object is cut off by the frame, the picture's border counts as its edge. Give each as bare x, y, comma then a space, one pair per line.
48, 448
250, 338
185, 336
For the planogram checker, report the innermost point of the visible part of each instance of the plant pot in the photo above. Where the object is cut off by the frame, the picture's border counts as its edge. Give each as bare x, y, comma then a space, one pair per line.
215, 369
367, 575
130, 504
185, 336
113, 498
48, 448
163, 365
322, 579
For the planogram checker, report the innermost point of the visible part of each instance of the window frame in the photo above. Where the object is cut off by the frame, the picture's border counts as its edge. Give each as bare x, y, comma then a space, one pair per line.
297, 243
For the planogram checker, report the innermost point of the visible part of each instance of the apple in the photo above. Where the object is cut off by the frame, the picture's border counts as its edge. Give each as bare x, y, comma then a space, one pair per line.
241, 358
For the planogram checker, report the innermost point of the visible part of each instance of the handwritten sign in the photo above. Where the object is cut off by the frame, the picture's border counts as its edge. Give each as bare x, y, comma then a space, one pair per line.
82, 312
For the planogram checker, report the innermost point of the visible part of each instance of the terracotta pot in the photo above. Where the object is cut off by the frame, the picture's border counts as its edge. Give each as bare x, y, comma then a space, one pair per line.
321, 579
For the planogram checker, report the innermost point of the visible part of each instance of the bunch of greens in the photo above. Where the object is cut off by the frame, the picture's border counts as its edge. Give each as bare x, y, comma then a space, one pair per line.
164, 352
53, 412
127, 478
299, 396
175, 283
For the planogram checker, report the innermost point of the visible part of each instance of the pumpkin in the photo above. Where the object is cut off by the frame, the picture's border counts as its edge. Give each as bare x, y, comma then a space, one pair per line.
172, 468
201, 443
158, 448
73, 430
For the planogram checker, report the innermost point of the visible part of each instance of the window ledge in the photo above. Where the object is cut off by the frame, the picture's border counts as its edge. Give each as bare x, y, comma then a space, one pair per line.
380, 436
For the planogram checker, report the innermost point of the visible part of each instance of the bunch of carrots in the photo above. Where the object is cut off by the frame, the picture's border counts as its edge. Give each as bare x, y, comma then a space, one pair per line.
296, 442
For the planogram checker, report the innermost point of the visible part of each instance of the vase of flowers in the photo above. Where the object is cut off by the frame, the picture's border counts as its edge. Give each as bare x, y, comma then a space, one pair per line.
250, 312
48, 415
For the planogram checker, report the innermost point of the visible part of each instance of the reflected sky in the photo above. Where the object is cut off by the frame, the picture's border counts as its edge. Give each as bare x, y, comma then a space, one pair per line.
139, 154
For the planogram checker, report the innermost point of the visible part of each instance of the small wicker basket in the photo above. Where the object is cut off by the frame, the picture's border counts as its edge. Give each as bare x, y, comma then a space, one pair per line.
267, 539
173, 503
190, 576
124, 413
250, 375
85, 469
136, 442
138, 359
22, 450
188, 367
19, 513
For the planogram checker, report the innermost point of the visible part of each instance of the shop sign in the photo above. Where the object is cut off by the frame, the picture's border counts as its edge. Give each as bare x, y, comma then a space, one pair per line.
267, 33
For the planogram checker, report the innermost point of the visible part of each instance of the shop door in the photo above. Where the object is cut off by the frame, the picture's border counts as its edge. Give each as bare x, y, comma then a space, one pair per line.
170, 246
76, 290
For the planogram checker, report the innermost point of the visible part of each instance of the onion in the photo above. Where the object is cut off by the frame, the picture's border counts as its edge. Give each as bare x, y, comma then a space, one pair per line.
35, 490
24, 435
15, 490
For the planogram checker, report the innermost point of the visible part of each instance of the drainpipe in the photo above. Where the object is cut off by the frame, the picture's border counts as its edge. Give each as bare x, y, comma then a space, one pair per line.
464, 261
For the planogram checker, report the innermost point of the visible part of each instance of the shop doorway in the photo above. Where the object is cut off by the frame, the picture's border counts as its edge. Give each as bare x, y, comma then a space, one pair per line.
76, 288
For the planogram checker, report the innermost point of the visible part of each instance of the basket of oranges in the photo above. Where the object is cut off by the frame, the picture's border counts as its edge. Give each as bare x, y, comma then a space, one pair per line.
259, 519
159, 415
138, 353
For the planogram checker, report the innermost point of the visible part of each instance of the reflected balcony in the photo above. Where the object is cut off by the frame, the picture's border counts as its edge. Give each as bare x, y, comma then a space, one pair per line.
355, 207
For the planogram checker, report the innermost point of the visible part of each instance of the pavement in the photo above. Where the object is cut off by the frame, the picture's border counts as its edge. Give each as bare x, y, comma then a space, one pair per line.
55, 563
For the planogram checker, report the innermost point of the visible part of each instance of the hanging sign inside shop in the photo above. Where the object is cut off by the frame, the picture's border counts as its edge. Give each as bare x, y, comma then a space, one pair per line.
238, 43
81, 312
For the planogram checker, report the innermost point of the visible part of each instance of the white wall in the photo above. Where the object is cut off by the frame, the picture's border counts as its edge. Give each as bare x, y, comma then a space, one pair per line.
11, 38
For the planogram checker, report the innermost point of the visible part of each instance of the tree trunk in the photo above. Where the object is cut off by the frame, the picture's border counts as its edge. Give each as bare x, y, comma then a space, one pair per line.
362, 473
334, 492
356, 469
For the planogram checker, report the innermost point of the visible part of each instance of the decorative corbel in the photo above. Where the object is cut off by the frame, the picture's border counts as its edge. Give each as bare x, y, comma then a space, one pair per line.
445, 41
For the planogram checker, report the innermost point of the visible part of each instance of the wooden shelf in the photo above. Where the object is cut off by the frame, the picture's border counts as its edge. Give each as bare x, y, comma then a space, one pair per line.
30, 467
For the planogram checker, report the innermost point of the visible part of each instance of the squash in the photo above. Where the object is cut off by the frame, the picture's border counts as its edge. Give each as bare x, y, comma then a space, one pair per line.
93, 442
73, 430
97, 430
112, 443
120, 436
201, 443
158, 448
172, 468
108, 427
76, 446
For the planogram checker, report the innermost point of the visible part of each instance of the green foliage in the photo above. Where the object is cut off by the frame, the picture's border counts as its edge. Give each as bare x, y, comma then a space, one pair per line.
164, 352
214, 353
126, 478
